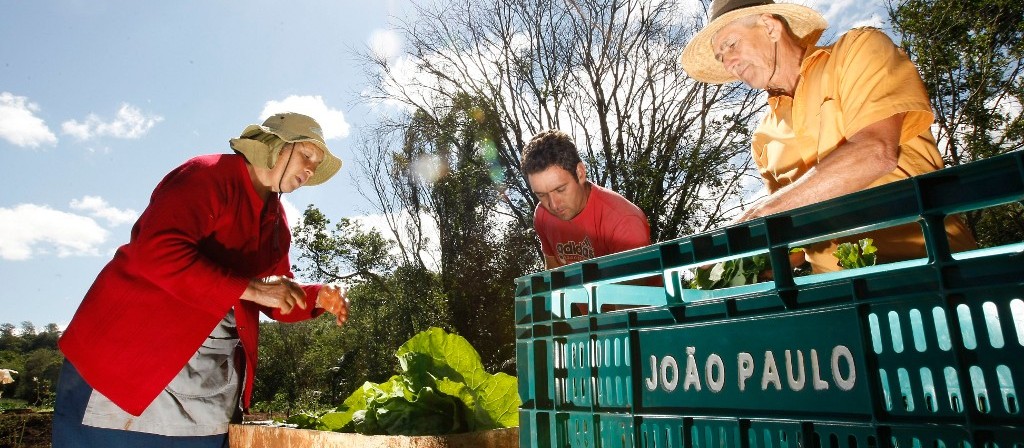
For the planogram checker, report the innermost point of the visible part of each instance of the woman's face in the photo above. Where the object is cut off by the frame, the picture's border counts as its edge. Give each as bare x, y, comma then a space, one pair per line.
295, 165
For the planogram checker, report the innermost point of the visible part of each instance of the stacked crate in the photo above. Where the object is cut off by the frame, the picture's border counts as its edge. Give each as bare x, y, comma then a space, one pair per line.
918, 353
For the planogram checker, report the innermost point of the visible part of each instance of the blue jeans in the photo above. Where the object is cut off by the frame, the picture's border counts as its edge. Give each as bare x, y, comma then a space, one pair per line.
68, 431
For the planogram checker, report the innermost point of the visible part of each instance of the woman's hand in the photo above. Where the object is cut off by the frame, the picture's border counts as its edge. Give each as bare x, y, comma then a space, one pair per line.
332, 298
276, 292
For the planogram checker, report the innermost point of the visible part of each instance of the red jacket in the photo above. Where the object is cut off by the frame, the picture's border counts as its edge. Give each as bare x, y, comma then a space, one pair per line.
190, 257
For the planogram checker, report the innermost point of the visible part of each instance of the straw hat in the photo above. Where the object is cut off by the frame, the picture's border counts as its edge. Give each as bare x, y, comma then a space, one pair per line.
261, 144
698, 58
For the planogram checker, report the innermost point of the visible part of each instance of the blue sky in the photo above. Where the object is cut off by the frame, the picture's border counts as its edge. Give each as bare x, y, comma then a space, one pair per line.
100, 99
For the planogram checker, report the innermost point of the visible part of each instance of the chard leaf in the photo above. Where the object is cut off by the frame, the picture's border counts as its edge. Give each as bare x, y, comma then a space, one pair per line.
345, 417
443, 388
437, 354
426, 412
498, 397
852, 256
717, 272
442, 356
738, 272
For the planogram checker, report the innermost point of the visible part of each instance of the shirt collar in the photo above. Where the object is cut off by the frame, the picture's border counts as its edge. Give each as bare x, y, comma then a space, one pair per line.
810, 56
813, 54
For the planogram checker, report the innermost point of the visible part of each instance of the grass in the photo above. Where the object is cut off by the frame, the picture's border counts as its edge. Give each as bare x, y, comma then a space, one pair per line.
11, 403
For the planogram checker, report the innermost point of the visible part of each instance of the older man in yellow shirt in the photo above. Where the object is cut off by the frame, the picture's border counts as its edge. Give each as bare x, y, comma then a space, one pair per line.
841, 118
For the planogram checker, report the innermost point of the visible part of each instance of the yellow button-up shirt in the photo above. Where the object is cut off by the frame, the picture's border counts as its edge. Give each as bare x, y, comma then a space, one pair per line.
862, 79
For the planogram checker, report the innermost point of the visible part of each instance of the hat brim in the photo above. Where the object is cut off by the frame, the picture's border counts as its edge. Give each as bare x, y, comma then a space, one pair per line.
698, 58
327, 168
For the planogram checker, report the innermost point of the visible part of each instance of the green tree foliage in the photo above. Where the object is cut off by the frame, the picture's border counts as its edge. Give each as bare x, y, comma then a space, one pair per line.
295, 364
362, 259
382, 318
390, 301
35, 356
474, 244
346, 251
38, 380
9, 340
971, 56
28, 330
998, 225
440, 170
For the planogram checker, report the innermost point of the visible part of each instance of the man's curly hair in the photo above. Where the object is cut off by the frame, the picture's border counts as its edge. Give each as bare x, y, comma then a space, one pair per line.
550, 148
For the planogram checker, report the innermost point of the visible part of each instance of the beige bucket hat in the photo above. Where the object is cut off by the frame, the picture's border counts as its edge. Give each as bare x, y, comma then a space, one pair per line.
261, 144
698, 58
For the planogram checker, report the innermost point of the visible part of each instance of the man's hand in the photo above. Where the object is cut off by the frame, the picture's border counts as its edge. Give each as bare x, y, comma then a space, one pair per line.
332, 298
276, 292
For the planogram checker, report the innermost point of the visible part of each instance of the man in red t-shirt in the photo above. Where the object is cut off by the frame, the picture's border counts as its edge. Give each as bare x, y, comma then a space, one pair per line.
576, 219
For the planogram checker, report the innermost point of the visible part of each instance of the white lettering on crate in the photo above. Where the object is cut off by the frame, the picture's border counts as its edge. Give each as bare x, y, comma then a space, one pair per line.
665, 371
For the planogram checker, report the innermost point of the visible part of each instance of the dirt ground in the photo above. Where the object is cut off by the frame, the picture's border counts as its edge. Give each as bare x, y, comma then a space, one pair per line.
25, 429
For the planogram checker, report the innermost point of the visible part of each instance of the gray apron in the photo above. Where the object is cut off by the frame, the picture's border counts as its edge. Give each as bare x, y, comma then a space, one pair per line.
200, 401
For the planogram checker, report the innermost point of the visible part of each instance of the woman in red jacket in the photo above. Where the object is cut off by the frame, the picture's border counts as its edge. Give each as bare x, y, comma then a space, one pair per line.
162, 350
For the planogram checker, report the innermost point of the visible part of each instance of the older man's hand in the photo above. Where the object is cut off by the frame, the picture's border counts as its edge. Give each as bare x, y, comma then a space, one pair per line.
756, 210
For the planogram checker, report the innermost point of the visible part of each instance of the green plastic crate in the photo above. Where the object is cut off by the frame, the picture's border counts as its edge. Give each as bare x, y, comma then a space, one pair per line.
919, 353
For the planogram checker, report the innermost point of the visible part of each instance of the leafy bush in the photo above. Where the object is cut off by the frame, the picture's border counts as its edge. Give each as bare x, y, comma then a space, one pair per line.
852, 256
442, 389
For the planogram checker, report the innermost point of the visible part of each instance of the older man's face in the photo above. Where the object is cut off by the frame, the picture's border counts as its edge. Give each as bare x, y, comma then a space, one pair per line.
746, 51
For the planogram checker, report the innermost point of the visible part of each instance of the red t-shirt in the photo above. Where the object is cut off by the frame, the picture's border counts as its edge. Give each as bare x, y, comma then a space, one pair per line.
608, 224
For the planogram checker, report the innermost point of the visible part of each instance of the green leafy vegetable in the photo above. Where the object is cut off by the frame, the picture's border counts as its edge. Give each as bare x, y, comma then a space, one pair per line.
305, 421
852, 256
741, 271
443, 389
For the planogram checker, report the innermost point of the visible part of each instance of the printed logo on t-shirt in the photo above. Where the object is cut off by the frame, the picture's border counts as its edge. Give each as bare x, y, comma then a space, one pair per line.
573, 251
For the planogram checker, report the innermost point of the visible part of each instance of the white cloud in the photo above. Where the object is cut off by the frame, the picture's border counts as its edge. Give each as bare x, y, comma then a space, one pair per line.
291, 212
20, 126
130, 123
331, 120
28, 230
843, 15
385, 44
80, 131
831, 9
874, 20
97, 207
